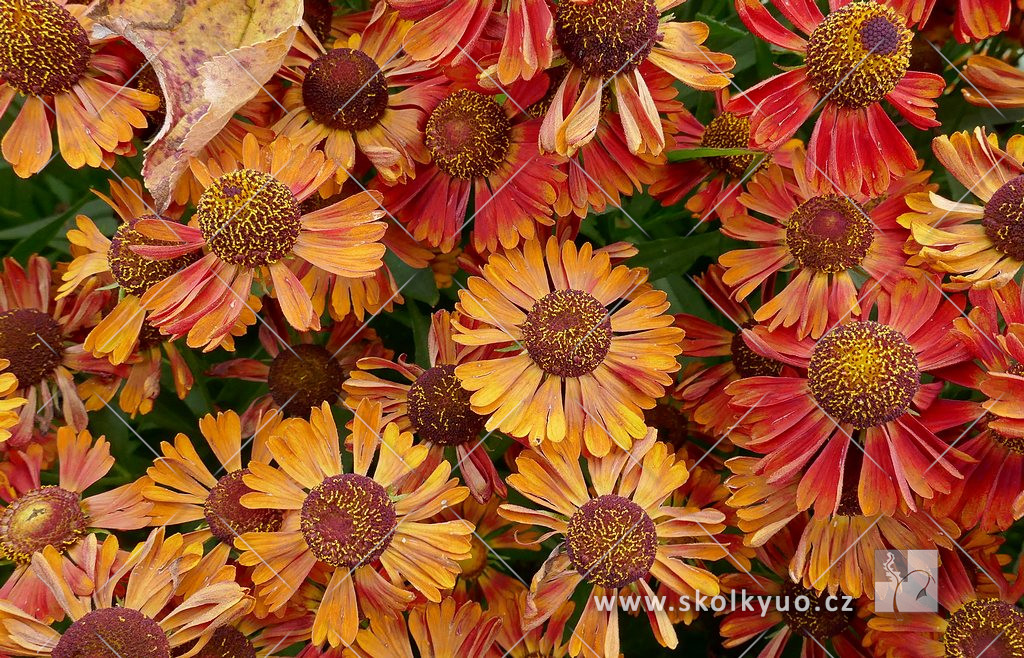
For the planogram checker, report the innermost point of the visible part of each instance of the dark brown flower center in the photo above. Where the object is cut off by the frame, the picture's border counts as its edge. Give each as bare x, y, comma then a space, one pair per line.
44, 50
611, 541
728, 131
304, 377
817, 620
829, 234
439, 408
134, 273
226, 515
32, 341
319, 14
48, 516
1014, 444
348, 520
113, 633
148, 82
864, 374
1004, 218
249, 218
607, 37
859, 53
567, 333
226, 642
468, 135
985, 627
749, 363
345, 89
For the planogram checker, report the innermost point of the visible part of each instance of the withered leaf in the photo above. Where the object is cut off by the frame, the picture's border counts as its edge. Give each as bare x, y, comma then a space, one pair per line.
211, 57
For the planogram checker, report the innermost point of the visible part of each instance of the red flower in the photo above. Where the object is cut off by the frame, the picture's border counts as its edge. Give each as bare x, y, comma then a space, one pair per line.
854, 58
863, 381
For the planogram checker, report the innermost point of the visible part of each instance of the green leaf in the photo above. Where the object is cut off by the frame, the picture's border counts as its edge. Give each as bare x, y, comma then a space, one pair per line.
669, 256
420, 325
697, 153
415, 284
42, 236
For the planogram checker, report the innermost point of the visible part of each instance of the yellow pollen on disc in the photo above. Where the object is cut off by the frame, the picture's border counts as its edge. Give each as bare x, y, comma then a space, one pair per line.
439, 408
134, 273
226, 515
729, 131
567, 333
864, 374
611, 541
607, 37
44, 50
859, 53
115, 632
249, 218
468, 135
988, 627
1003, 219
829, 233
345, 89
48, 516
348, 520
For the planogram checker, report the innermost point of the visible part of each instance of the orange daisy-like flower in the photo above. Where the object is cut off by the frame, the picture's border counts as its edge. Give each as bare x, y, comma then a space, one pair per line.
978, 244
835, 551
855, 57
38, 516
123, 336
589, 346
49, 58
821, 236
622, 43
39, 338
249, 221
361, 97
979, 613
824, 624
351, 525
617, 534
433, 405
147, 621
484, 162
182, 489
863, 379
302, 374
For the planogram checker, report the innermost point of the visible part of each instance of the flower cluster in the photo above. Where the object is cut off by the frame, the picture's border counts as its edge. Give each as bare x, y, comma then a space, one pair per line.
469, 325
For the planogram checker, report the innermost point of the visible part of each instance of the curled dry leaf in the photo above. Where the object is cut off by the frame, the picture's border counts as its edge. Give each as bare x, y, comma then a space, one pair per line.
211, 57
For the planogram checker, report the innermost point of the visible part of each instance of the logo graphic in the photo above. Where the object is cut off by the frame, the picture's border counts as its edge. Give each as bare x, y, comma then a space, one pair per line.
906, 581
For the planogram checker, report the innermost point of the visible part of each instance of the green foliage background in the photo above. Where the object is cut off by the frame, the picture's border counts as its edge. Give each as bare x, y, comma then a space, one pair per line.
36, 213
